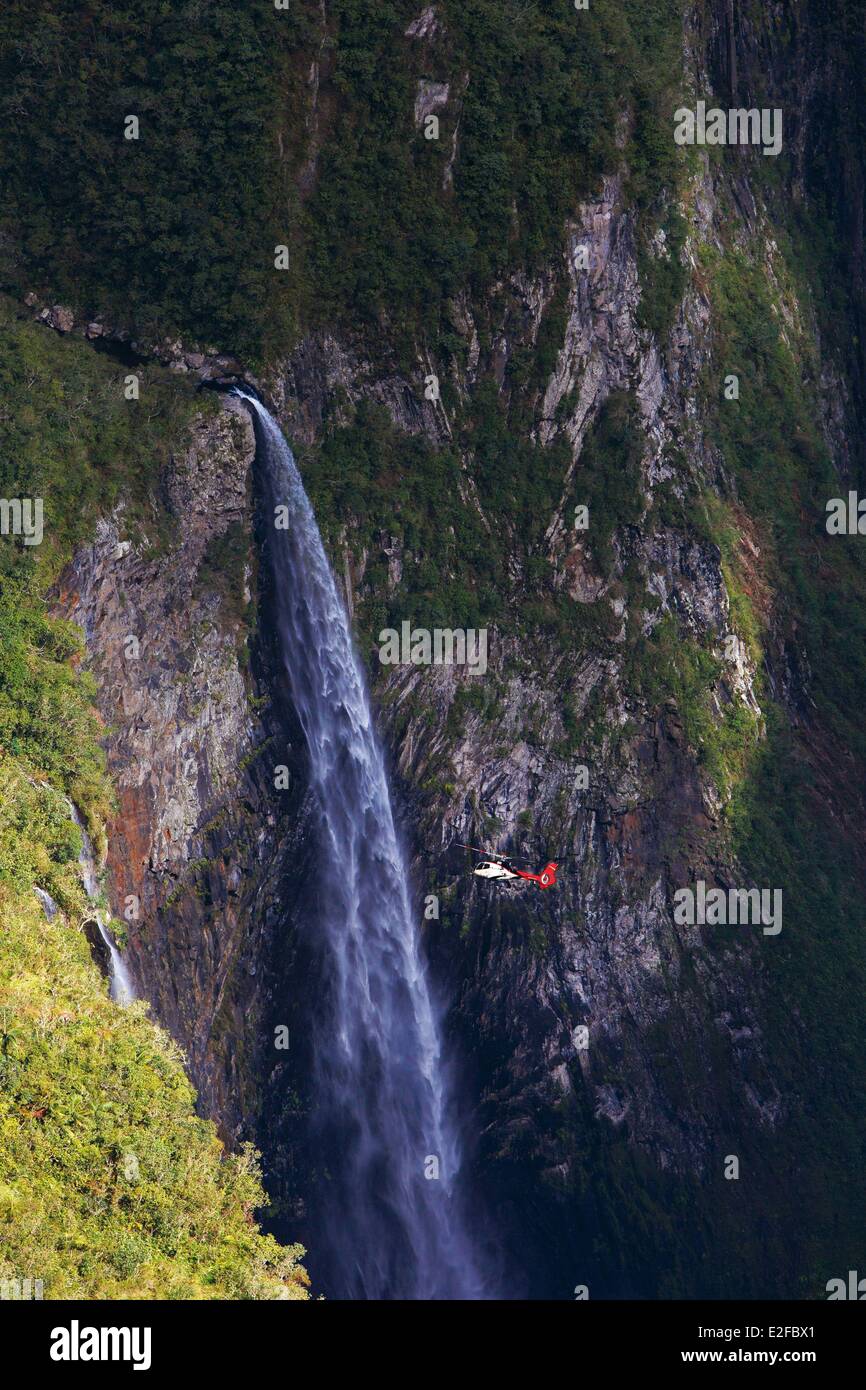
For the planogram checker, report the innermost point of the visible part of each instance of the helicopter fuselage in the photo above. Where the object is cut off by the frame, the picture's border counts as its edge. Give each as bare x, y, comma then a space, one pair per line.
502, 869
495, 870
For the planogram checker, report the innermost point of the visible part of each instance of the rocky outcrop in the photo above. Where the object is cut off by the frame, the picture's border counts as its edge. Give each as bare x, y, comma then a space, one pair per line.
208, 364
430, 97
194, 849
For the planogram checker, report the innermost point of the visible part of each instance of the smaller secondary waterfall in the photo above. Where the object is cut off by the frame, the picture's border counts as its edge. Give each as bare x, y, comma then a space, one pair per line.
120, 981
394, 1224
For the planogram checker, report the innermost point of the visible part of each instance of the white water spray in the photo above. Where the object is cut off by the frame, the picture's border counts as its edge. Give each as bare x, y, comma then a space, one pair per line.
394, 1224
119, 979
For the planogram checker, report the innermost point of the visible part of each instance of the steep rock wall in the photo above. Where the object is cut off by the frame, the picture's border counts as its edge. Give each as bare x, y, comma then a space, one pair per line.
196, 843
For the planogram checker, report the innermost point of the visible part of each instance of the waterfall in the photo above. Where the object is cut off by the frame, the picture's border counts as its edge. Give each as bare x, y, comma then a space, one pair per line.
394, 1224
119, 979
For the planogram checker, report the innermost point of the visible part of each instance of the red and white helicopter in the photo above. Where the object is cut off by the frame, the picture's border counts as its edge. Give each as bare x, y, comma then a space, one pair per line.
502, 866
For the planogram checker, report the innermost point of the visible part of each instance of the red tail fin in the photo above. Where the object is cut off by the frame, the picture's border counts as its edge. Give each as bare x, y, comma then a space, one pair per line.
547, 877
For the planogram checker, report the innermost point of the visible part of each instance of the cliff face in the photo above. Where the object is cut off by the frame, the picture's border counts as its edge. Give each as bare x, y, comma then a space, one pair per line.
684, 1062
647, 813
672, 1054
195, 842
615, 1060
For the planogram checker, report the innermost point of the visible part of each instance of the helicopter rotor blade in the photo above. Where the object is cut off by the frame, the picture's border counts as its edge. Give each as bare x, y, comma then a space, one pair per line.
512, 859
493, 854
489, 853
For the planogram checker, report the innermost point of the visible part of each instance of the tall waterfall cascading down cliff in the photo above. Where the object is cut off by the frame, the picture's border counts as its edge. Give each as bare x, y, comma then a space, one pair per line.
394, 1224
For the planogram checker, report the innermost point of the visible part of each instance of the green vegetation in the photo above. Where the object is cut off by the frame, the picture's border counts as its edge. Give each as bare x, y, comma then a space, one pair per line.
662, 274
110, 1185
222, 570
76, 443
537, 94
176, 231
74, 440
668, 664
771, 442
781, 819
819, 229
547, 92
458, 566
789, 821
607, 478
389, 484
